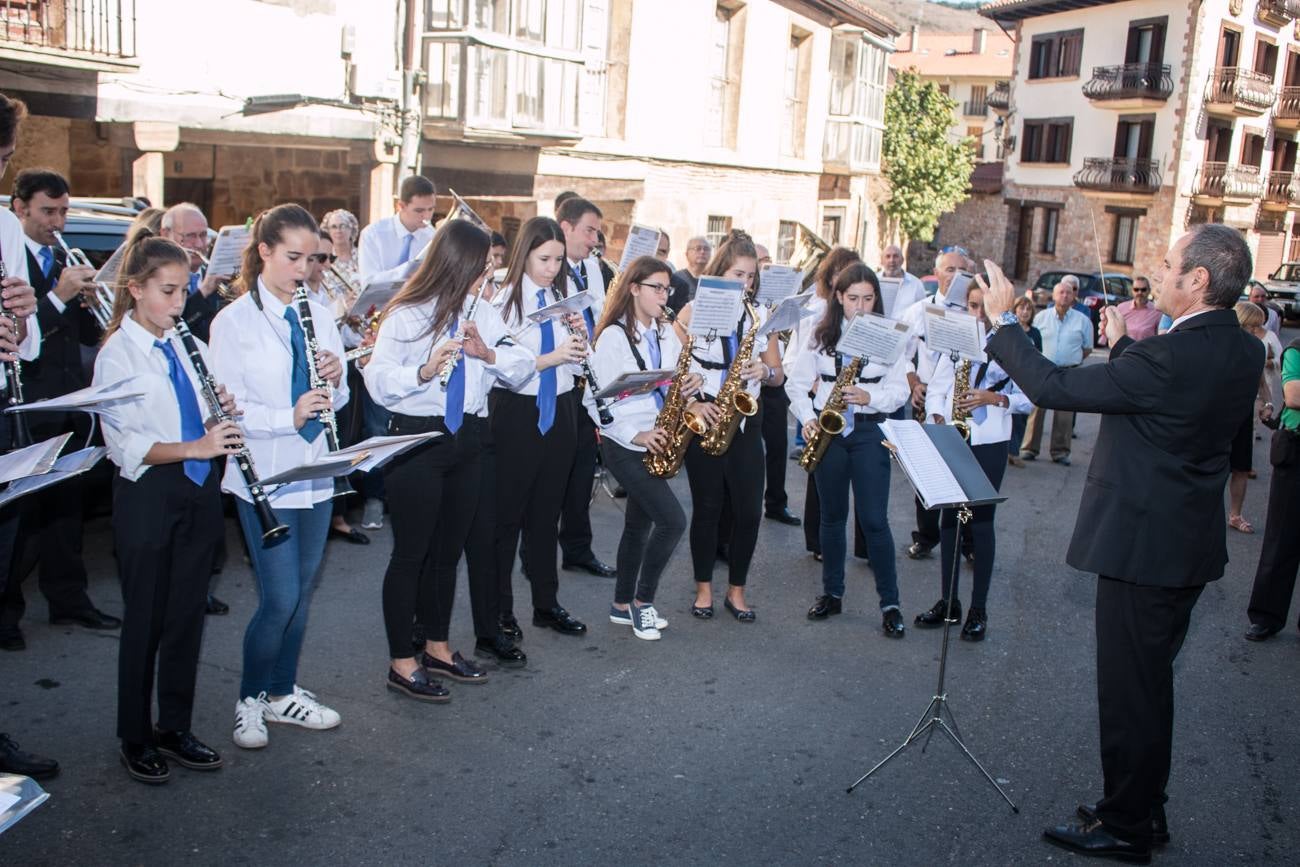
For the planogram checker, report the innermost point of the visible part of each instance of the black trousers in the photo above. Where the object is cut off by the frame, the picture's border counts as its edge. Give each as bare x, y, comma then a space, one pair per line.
1279, 556
992, 458
487, 599
532, 474
165, 529
812, 522
575, 518
776, 444
433, 494
1140, 629
653, 525
713, 480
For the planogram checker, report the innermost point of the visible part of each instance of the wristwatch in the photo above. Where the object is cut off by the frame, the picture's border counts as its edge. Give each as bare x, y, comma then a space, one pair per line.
1007, 318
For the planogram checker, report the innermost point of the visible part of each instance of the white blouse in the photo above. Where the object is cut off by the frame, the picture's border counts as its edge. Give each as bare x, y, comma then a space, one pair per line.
528, 334
612, 358
887, 384
993, 424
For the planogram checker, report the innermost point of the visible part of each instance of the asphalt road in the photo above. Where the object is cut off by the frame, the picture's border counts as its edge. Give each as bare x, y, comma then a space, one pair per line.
722, 743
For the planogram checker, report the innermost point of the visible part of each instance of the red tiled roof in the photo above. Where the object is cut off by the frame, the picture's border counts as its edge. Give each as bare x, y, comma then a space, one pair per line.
950, 54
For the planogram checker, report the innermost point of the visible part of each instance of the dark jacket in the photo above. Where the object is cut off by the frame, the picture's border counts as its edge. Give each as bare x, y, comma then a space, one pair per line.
1152, 507
59, 368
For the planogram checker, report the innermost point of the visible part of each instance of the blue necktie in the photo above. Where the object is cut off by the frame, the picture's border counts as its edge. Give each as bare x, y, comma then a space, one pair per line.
454, 413
981, 412
47, 261
194, 282
546, 387
731, 346
656, 358
848, 410
580, 277
406, 250
191, 421
300, 382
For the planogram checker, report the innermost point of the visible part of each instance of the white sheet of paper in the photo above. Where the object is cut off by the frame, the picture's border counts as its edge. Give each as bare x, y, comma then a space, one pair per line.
379, 450
34, 460
716, 307
94, 398
575, 303
636, 382
889, 287
787, 315
641, 241
228, 250
920, 459
107, 274
948, 331
776, 282
875, 337
64, 468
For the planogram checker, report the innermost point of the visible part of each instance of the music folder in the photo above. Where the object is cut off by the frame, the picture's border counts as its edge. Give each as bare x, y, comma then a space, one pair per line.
363, 457
939, 465
19, 795
66, 467
636, 382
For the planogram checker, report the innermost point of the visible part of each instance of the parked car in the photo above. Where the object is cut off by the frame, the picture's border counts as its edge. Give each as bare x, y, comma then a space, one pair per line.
1118, 287
95, 227
1283, 288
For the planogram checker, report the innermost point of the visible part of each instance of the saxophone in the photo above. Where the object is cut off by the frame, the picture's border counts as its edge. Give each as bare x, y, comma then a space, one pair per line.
734, 400
961, 385
680, 425
830, 421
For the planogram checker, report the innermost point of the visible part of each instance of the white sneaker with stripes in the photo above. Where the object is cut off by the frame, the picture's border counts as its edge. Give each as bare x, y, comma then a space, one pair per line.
301, 709
250, 722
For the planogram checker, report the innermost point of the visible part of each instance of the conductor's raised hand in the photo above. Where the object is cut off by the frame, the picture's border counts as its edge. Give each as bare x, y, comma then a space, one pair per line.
1114, 324
999, 293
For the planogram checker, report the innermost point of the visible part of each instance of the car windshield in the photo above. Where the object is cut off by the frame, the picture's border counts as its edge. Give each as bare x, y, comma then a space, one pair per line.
1289, 273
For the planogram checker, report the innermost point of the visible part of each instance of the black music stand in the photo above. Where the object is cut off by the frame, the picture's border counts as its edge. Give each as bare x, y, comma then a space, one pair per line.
979, 491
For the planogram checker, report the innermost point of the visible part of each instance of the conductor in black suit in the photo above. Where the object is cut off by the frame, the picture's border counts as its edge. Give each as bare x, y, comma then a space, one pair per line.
1151, 520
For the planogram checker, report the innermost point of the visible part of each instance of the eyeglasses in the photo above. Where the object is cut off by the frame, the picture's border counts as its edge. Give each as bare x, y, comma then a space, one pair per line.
321, 258
661, 288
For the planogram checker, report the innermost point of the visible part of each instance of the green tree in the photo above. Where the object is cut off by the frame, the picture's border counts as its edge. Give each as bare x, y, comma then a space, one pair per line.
928, 172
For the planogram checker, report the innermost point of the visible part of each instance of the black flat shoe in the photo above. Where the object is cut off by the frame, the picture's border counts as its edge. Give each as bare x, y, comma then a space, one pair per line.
977, 624
459, 669
784, 516
187, 750
1260, 632
352, 536
933, 618
743, 615
91, 618
418, 686
892, 623
501, 649
704, 612
1159, 824
15, 761
1092, 839
560, 620
215, 606
510, 628
918, 550
144, 763
824, 607
593, 567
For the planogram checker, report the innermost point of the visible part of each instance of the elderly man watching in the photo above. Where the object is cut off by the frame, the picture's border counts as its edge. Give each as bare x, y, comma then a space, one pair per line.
186, 225
1140, 314
698, 253
910, 288
1067, 341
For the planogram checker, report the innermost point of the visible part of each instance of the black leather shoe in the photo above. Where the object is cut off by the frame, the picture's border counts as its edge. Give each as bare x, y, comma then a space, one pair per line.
418, 686
459, 669
1159, 824
934, 616
1260, 632
145, 764
1092, 839
593, 566
784, 516
12, 639
91, 618
893, 623
15, 761
977, 623
352, 536
502, 649
187, 750
824, 607
510, 628
559, 620
215, 606
919, 550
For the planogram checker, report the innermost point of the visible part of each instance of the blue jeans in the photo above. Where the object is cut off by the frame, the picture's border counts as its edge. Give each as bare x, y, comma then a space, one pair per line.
1018, 423
374, 423
858, 459
286, 573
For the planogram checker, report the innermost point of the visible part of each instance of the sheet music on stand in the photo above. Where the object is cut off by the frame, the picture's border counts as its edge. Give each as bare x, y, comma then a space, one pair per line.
107, 274
889, 288
374, 297
875, 337
635, 383
228, 250
716, 307
939, 464
641, 241
949, 332
33, 460
778, 282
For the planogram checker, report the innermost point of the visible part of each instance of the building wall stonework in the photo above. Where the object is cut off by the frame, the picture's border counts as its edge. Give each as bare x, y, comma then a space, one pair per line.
979, 224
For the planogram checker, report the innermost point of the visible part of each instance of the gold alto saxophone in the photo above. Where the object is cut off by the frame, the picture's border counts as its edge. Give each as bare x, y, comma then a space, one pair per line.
831, 420
674, 418
732, 397
961, 385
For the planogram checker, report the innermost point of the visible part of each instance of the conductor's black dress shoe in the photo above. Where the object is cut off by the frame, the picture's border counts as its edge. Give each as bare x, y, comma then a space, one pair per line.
1260, 632
186, 750
1092, 839
15, 761
593, 566
560, 620
1159, 824
502, 649
784, 516
90, 618
933, 618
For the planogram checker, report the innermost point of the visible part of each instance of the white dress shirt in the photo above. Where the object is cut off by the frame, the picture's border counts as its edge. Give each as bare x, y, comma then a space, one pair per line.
887, 384
133, 429
14, 254
613, 357
995, 424
379, 253
528, 334
403, 346
595, 284
252, 356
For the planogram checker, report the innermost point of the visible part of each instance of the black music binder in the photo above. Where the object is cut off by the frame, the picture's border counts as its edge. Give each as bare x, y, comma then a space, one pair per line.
939, 465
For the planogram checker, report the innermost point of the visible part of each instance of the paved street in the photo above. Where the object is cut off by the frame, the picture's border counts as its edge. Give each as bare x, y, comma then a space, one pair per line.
724, 742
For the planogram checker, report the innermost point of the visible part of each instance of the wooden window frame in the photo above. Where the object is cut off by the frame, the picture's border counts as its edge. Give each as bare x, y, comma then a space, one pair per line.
1055, 40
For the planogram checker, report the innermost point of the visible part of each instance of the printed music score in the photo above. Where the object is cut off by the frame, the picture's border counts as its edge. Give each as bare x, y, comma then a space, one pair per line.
950, 331
716, 307
641, 241
875, 337
925, 467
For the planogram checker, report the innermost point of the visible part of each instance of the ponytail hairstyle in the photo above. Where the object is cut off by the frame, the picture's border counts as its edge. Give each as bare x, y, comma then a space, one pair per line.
534, 234
836, 261
619, 303
737, 245
830, 329
145, 253
269, 229
457, 257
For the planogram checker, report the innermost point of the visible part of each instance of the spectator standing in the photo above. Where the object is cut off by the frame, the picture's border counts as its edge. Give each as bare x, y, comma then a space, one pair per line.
1067, 341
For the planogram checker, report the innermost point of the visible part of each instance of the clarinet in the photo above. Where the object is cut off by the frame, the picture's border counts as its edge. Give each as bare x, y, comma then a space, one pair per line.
602, 409
271, 527
325, 416
13, 373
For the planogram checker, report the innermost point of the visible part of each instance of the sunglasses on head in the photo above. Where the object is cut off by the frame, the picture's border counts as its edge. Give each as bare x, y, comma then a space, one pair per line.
955, 249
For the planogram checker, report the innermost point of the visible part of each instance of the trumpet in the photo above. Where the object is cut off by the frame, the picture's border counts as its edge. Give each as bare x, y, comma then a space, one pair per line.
101, 299
449, 366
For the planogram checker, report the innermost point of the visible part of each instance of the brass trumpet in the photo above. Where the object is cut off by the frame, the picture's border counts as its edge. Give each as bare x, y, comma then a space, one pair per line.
98, 301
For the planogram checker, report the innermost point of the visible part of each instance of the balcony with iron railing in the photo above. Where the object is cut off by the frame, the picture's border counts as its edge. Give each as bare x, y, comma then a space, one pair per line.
1129, 85
999, 98
1282, 190
94, 34
1287, 113
1234, 90
1219, 182
1119, 175
1279, 13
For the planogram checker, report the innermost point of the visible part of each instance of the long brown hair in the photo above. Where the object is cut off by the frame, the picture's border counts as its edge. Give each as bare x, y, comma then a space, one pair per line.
534, 234
145, 253
828, 331
269, 229
836, 261
619, 302
456, 258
